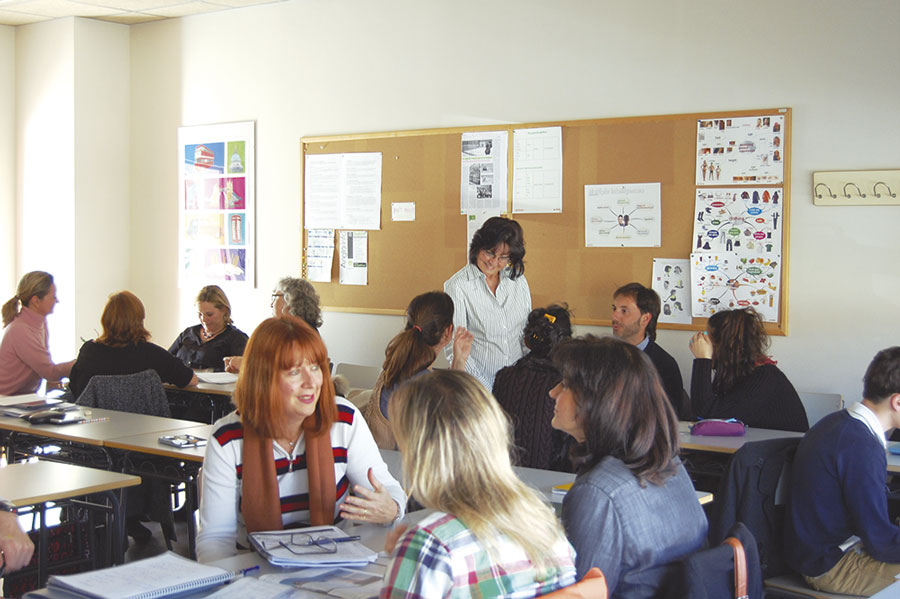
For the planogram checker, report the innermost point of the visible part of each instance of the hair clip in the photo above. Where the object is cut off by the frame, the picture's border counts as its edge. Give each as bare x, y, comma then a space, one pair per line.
417, 327
550, 317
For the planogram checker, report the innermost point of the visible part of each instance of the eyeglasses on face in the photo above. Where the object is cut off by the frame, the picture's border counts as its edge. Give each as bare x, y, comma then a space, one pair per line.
504, 259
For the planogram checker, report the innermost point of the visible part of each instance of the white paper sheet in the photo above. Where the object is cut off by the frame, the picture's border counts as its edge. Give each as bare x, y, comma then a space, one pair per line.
354, 258
727, 281
342, 191
537, 170
319, 254
403, 211
622, 215
361, 191
322, 193
747, 221
672, 281
740, 150
483, 171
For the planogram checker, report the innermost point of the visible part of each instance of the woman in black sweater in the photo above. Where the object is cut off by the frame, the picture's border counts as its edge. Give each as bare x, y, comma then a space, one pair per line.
747, 384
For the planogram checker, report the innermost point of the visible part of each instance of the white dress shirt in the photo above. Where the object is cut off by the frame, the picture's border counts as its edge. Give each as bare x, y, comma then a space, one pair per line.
496, 320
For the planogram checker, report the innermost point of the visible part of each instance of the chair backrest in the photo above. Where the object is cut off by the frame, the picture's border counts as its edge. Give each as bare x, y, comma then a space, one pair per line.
592, 586
140, 393
711, 573
360, 377
819, 405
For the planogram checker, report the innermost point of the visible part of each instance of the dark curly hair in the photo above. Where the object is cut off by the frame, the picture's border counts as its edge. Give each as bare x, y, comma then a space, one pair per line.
546, 328
739, 343
493, 232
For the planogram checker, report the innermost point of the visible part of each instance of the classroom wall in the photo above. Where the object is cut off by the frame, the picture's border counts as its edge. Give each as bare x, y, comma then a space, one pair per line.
7, 161
102, 168
306, 67
45, 145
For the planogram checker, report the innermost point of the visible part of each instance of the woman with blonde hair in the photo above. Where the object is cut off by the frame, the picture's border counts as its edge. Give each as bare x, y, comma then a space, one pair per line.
490, 535
24, 351
206, 345
411, 353
124, 348
292, 452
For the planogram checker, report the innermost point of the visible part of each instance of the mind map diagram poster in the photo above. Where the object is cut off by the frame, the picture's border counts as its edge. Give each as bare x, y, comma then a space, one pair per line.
740, 150
745, 221
728, 281
622, 215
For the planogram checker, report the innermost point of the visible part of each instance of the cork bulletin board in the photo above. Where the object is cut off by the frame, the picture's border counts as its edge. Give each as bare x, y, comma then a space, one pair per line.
423, 166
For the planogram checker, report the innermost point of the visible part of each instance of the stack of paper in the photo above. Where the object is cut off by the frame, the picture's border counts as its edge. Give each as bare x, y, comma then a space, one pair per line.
287, 548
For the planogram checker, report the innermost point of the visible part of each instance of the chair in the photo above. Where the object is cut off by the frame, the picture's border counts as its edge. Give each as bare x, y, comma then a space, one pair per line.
727, 570
819, 405
139, 393
592, 586
747, 493
360, 377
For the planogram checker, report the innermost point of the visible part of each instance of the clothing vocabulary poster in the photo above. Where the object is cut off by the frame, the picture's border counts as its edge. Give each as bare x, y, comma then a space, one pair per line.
746, 221
740, 150
537, 170
728, 281
483, 171
672, 282
622, 215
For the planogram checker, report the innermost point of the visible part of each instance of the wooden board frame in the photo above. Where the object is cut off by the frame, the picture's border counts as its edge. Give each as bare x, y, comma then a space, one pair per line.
423, 166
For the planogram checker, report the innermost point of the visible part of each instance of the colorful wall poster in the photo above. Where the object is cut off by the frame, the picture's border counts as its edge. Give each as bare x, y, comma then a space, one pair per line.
740, 150
672, 282
727, 281
622, 215
746, 221
216, 204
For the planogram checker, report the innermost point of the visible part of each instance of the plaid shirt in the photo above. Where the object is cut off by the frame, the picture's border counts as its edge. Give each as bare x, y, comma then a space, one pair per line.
440, 557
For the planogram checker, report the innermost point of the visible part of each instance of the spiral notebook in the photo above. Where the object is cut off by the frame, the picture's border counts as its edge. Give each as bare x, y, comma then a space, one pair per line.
165, 575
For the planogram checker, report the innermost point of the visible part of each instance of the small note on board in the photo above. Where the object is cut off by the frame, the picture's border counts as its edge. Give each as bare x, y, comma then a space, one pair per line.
403, 211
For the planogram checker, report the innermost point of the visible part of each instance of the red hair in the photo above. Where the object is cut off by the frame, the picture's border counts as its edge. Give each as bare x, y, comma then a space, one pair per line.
278, 344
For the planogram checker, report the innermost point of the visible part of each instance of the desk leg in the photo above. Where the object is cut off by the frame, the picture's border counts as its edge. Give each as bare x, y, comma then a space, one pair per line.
43, 546
191, 523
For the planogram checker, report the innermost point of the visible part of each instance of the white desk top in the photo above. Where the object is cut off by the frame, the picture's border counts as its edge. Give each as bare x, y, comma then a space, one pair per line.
31, 483
726, 444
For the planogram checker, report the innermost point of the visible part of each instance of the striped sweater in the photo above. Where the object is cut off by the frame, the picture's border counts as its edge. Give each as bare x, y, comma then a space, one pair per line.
221, 522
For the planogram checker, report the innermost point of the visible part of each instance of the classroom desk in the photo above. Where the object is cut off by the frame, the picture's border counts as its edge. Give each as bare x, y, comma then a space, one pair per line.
726, 444
206, 401
33, 484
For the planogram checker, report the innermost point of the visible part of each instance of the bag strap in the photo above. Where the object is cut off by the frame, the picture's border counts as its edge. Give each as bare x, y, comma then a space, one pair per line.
740, 568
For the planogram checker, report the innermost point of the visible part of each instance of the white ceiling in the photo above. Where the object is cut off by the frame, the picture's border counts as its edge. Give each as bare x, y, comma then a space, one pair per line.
128, 12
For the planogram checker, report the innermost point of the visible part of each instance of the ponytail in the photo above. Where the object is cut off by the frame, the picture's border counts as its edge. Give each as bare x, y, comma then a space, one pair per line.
35, 283
10, 310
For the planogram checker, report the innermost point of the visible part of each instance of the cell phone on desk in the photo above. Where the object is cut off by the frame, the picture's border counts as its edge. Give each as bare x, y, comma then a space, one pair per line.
182, 441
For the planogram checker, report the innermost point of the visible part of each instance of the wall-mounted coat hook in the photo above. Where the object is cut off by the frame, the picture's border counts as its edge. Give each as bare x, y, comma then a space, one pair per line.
858, 190
878, 195
819, 195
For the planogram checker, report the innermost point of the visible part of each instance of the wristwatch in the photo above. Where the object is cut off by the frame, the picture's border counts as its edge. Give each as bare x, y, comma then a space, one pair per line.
8, 506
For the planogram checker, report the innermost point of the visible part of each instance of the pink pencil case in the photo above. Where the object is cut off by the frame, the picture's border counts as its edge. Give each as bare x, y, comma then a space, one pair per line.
715, 427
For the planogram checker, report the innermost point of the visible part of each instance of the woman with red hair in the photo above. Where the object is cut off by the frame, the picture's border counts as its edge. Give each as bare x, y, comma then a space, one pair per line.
292, 451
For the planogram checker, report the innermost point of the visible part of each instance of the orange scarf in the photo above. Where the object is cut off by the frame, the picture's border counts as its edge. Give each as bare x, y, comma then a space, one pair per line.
260, 499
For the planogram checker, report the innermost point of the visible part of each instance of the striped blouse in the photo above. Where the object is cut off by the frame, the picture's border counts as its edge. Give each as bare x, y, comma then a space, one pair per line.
221, 522
496, 321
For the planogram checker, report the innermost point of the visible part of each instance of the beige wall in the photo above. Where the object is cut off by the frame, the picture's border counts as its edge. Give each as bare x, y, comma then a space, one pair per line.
7, 161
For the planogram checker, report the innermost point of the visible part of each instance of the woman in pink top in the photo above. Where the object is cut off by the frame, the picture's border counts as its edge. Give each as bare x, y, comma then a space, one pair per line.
24, 354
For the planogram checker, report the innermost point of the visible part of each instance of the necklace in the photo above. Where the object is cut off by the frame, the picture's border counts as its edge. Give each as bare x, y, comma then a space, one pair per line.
208, 336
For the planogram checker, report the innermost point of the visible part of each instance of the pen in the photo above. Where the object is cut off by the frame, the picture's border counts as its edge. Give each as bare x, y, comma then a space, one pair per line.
344, 539
246, 571
91, 420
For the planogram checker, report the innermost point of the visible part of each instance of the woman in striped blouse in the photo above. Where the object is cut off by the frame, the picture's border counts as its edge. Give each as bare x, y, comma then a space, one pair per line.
492, 299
